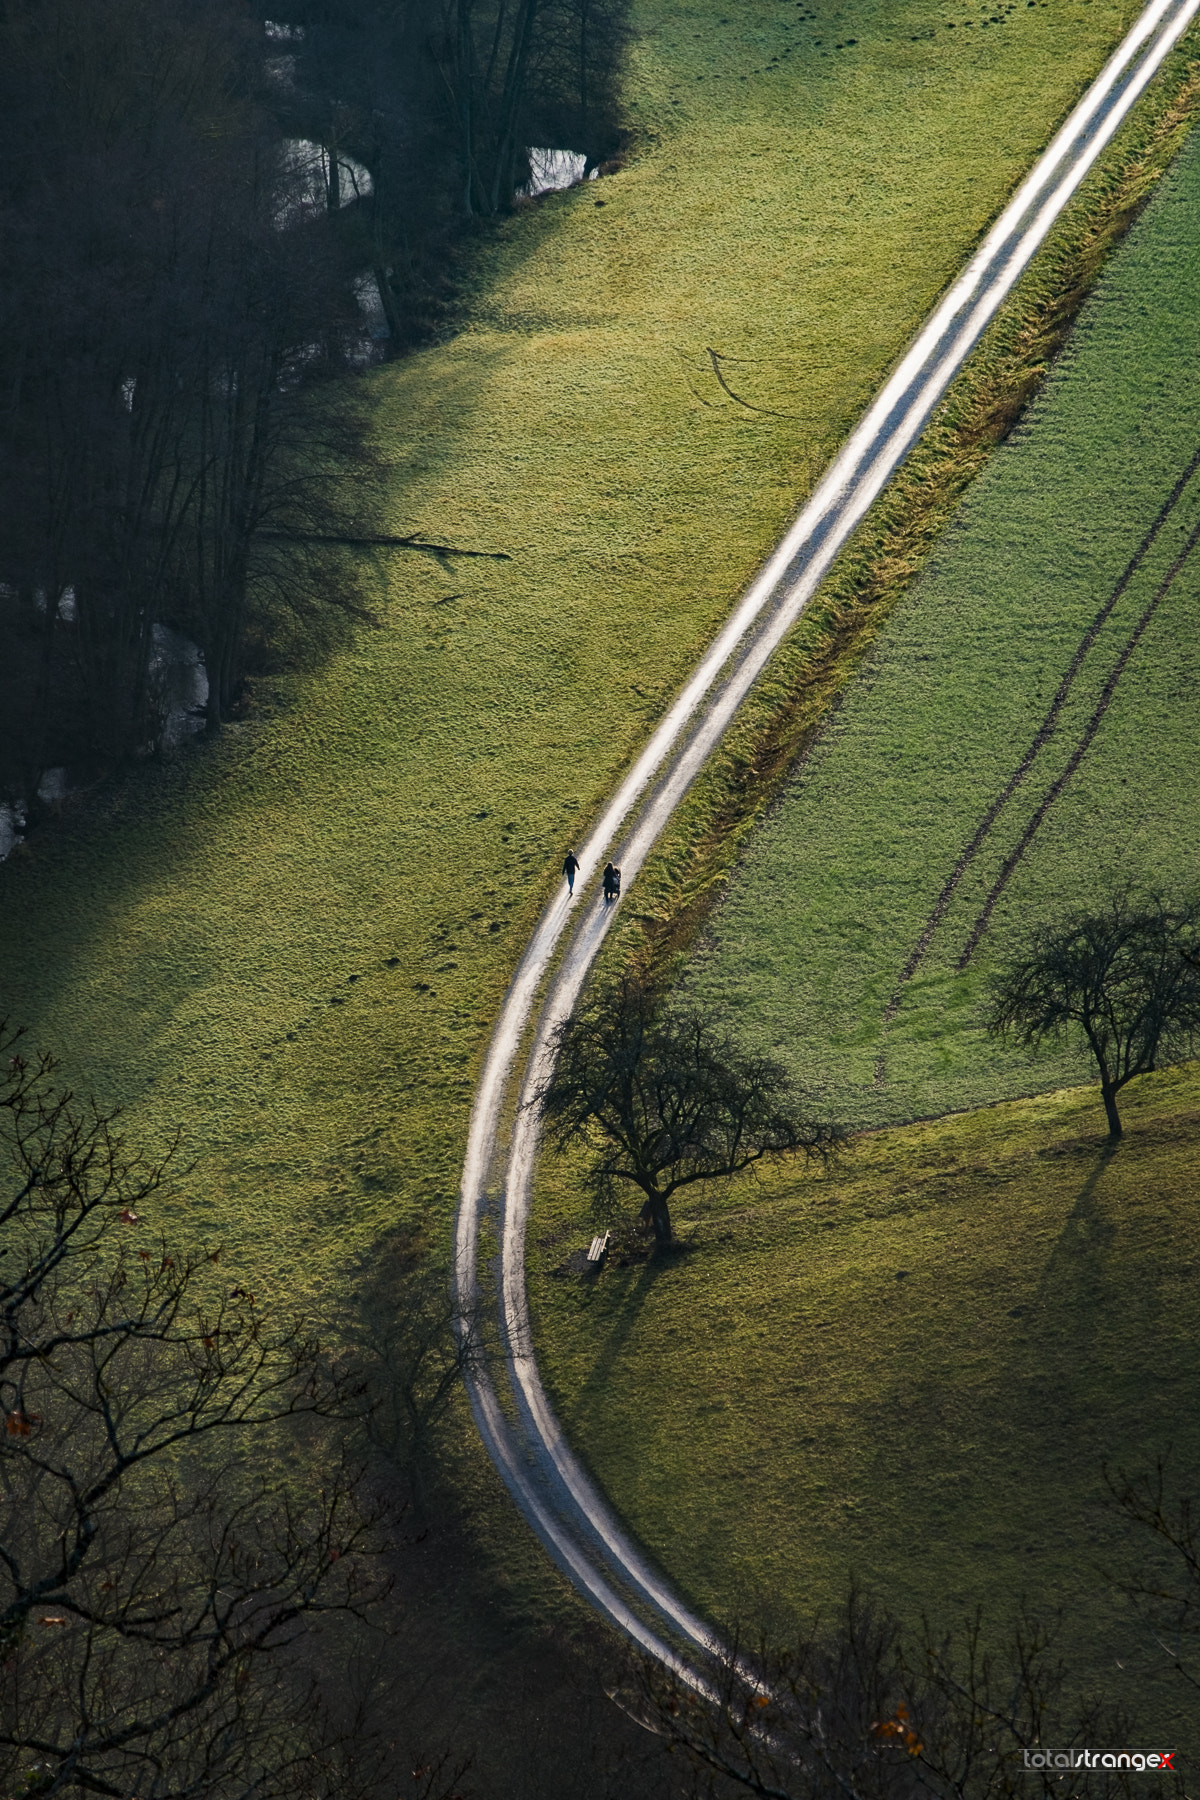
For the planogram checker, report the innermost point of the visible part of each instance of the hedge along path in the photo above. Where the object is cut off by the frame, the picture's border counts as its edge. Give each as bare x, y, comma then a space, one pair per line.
544, 1475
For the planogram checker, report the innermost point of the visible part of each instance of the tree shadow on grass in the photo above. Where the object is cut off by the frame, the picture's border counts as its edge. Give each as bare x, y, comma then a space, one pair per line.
592, 1393
1075, 1268
998, 1435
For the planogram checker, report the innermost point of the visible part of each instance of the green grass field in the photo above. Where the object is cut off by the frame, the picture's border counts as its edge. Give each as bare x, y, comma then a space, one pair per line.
290, 946
215, 949
913, 1371
910, 1371
814, 945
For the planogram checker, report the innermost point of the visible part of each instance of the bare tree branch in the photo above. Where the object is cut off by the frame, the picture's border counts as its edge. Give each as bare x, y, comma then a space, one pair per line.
165, 1550
1122, 979
671, 1101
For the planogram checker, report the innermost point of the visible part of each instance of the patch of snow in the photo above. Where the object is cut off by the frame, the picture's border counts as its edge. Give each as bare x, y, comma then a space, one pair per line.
366, 292
179, 691
12, 821
550, 171
52, 786
306, 166
179, 683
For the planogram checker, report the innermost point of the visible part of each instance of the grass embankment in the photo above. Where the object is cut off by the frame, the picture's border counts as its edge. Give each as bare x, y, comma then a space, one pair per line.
910, 1371
842, 939
291, 945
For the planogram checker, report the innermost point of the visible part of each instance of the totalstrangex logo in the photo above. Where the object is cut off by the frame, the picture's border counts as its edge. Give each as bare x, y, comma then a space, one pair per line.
1045, 1761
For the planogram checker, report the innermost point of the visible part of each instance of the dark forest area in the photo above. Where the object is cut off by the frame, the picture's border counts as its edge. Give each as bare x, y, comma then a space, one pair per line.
213, 222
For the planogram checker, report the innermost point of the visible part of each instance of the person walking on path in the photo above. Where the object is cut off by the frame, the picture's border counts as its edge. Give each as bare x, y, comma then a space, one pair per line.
612, 883
569, 868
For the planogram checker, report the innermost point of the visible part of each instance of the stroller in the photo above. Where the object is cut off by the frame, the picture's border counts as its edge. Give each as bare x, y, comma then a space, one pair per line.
612, 883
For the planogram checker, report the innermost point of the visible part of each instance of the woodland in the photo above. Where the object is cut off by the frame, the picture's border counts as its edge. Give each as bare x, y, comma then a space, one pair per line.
213, 221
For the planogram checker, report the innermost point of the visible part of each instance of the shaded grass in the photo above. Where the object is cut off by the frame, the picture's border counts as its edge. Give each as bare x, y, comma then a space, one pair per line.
839, 944
910, 1371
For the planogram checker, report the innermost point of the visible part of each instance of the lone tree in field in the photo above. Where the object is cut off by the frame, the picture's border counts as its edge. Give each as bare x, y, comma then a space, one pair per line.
1124, 979
672, 1101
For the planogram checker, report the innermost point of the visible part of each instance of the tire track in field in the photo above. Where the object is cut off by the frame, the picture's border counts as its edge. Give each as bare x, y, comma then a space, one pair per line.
1045, 732
1009, 866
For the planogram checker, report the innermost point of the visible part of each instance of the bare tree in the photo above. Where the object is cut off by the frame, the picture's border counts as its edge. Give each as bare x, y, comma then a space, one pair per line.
441, 100
163, 1553
861, 1712
416, 1342
1122, 979
1169, 1596
522, 72
163, 318
268, 309
669, 1101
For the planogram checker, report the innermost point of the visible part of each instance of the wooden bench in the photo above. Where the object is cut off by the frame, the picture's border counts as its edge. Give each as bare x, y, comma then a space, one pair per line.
599, 1249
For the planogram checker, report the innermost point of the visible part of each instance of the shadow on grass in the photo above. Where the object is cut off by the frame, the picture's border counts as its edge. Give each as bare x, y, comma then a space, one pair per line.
595, 1388
998, 1439
1084, 1267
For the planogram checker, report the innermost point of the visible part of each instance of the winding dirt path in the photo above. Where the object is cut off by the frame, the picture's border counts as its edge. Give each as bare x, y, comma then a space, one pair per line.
547, 1481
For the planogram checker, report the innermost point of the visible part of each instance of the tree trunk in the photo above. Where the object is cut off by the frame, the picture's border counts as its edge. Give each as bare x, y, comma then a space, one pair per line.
465, 87
212, 709
1109, 1096
512, 99
393, 317
659, 1215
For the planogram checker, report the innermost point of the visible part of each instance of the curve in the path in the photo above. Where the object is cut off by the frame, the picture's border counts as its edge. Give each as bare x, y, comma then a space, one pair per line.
522, 1435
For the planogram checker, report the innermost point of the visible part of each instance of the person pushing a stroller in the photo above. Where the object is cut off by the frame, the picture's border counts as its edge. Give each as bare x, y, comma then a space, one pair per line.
612, 883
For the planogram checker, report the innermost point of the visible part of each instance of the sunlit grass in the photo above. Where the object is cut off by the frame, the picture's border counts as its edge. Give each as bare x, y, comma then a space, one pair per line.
216, 950
914, 1371
910, 1371
291, 946
809, 950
